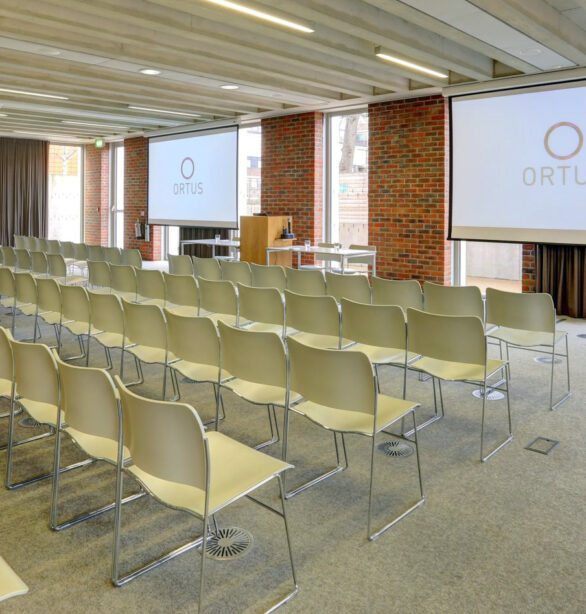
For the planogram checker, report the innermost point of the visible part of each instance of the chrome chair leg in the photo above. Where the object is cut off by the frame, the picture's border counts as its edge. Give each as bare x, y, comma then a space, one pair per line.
275, 437
436, 415
483, 457
567, 394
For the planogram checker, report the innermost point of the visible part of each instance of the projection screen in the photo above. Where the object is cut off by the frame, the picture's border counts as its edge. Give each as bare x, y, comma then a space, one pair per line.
518, 165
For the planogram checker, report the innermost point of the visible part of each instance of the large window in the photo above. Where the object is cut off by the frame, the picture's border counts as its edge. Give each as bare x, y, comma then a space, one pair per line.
117, 195
347, 190
249, 169
65, 192
494, 265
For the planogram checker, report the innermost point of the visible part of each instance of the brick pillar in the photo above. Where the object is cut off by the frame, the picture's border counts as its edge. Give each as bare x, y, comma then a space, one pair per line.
292, 181
529, 267
407, 191
96, 195
135, 198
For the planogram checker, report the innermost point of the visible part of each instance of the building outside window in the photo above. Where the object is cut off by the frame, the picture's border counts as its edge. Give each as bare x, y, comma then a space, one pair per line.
65, 192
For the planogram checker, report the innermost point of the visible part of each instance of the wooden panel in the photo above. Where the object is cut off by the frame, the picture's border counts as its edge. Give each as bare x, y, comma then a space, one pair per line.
257, 232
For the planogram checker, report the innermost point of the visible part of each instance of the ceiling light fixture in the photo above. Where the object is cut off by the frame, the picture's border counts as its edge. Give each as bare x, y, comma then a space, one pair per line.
49, 51
229, 86
23, 93
67, 137
3, 115
150, 110
75, 123
411, 65
240, 8
150, 71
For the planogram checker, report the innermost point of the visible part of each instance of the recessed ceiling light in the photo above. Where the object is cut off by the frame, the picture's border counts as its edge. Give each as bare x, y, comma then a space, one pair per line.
49, 51
23, 93
234, 6
530, 52
411, 65
66, 137
75, 123
150, 110
229, 86
149, 71
3, 115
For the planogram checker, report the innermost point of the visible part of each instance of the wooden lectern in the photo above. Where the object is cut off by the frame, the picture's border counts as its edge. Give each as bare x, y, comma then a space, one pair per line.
257, 232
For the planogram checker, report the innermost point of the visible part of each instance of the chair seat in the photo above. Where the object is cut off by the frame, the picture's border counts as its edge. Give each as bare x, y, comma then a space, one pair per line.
261, 394
458, 371
149, 354
127, 296
198, 372
10, 584
5, 387
263, 327
525, 338
43, 413
229, 481
108, 339
50, 317
100, 289
383, 356
227, 318
327, 342
76, 327
101, 448
27, 309
143, 300
389, 410
181, 310
7, 302
70, 280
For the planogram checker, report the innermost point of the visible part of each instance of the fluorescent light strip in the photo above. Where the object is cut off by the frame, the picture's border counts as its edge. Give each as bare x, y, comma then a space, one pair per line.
46, 135
234, 6
23, 93
411, 65
163, 111
74, 123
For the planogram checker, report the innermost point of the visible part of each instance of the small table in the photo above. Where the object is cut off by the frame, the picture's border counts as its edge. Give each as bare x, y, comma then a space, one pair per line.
344, 255
232, 246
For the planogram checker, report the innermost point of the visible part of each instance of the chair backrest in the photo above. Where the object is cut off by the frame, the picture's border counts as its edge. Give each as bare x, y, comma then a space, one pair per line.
261, 305
253, 356
402, 292
183, 330
35, 372
182, 290
75, 304
53, 246
237, 272
7, 288
26, 288
98, 274
312, 314
89, 400
450, 338
377, 325
113, 255
362, 259
207, 268
8, 256
132, 257
81, 251
167, 439
57, 266
30, 243
145, 325
48, 295
180, 265
20, 242
530, 311
6, 366
453, 300
39, 263
218, 296
123, 278
353, 287
23, 259
106, 312
41, 245
268, 276
150, 284
96, 252
311, 283
67, 249
341, 380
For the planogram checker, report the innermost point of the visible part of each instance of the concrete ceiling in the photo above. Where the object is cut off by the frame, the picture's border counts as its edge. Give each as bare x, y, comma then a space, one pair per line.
91, 51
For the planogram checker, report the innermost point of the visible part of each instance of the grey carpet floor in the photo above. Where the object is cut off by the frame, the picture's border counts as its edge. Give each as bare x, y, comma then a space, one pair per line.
508, 535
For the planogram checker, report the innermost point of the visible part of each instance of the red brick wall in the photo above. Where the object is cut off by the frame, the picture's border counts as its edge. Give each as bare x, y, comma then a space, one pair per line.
529, 267
292, 171
135, 198
96, 194
408, 204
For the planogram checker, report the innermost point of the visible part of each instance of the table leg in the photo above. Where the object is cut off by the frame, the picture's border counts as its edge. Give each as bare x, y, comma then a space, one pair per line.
298, 260
181, 248
374, 265
213, 251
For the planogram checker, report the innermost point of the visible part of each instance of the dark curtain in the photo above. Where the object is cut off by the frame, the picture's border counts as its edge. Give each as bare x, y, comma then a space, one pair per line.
24, 168
561, 272
203, 251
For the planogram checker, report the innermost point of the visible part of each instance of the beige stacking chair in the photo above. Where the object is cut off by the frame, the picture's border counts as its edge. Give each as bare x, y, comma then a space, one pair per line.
404, 293
207, 268
145, 330
26, 299
362, 260
307, 282
53, 247
353, 287
37, 383
185, 468
49, 304
7, 288
29, 243
180, 265
453, 348
81, 256
92, 421
314, 320
112, 255
182, 294
123, 281
6, 370
132, 257
39, 266
96, 252
268, 276
235, 271
261, 309
59, 271
257, 362
23, 260
8, 257
68, 252
150, 287
219, 300
107, 318
75, 317
10, 584
20, 242
528, 322
453, 300
41, 245
340, 394
99, 277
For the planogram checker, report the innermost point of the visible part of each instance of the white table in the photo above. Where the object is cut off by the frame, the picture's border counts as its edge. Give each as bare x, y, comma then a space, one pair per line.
344, 255
232, 246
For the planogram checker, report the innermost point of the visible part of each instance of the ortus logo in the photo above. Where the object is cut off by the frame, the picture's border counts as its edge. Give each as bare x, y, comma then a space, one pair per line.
569, 154
187, 170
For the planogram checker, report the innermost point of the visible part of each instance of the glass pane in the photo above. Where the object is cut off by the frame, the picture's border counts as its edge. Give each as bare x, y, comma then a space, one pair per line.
120, 229
120, 178
173, 240
249, 165
495, 265
349, 179
64, 208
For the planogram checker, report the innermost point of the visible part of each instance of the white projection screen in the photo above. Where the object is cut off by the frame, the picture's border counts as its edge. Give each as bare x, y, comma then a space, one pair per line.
193, 179
518, 165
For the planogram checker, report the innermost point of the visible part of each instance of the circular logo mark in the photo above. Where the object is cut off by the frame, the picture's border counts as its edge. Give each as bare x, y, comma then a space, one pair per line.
187, 168
567, 156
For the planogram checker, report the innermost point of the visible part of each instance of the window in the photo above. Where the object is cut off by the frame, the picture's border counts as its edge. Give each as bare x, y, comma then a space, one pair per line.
347, 186
495, 265
65, 192
249, 169
117, 196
